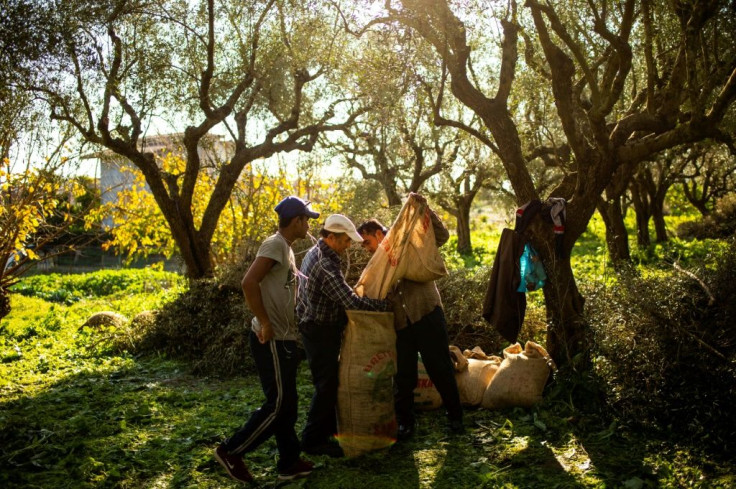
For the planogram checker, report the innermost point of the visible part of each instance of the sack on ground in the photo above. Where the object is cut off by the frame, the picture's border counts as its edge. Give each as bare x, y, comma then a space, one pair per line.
472, 377
520, 379
477, 353
407, 251
473, 382
365, 404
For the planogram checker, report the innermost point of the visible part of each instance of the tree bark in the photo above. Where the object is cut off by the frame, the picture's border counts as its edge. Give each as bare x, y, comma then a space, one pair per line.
649, 188
643, 238
4, 303
566, 324
643, 214
392, 194
464, 245
660, 228
617, 238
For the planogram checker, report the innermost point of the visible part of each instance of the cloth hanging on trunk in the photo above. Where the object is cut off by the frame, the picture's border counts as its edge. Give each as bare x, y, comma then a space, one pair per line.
503, 306
558, 214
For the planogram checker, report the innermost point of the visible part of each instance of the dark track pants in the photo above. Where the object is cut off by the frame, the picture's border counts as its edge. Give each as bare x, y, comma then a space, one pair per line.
277, 363
428, 337
322, 347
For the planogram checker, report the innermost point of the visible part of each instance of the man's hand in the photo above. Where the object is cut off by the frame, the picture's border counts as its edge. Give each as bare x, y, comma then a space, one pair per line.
387, 305
266, 333
419, 198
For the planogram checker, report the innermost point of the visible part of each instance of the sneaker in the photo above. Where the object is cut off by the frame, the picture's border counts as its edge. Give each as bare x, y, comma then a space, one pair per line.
300, 468
331, 449
233, 464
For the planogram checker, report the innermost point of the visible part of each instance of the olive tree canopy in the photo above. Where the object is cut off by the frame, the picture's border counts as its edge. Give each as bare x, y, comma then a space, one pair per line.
261, 73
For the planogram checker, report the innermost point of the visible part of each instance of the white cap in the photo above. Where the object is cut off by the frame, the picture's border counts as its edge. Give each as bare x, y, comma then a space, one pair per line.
337, 223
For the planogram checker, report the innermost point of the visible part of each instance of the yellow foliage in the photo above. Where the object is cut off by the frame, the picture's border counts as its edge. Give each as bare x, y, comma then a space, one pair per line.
27, 200
140, 230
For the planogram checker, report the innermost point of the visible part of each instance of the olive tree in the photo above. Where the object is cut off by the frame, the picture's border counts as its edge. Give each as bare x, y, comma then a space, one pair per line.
260, 72
584, 53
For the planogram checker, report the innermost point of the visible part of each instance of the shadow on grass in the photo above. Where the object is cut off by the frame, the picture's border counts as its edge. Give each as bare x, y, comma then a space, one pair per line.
391, 468
147, 424
514, 448
139, 425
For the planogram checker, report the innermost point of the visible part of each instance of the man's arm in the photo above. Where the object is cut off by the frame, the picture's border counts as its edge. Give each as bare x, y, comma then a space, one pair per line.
441, 234
252, 290
336, 287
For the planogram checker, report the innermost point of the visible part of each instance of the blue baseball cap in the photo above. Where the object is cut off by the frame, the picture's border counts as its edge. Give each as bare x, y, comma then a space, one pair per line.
293, 206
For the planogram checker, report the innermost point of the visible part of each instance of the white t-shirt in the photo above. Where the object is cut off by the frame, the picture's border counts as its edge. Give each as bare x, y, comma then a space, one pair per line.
278, 288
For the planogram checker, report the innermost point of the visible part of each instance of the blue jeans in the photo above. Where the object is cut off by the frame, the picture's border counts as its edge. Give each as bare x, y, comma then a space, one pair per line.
322, 346
277, 363
428, 336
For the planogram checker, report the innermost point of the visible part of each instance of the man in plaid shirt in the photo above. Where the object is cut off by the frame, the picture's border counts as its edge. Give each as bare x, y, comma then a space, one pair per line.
323, 297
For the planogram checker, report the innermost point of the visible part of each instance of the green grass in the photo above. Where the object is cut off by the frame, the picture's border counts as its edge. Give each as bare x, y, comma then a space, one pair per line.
74, 414
68, 289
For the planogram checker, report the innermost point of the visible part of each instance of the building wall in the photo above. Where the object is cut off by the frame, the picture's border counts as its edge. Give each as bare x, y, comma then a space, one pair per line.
113, 179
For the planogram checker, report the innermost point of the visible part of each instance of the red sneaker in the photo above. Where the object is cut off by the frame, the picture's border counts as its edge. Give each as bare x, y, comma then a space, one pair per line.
301, 468
233, 464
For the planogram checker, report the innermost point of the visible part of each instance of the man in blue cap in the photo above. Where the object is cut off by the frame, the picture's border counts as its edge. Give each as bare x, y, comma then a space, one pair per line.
269, 287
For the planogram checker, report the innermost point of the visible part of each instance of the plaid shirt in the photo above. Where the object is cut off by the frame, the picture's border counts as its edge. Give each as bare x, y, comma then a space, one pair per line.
323, 292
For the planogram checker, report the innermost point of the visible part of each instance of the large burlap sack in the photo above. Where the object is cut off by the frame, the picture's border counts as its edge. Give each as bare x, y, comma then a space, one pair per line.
473, 382
407, 251
426, 396
365, 403
477, 353
520, 379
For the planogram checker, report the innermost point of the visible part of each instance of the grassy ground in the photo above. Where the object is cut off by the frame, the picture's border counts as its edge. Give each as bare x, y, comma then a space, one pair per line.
76, 411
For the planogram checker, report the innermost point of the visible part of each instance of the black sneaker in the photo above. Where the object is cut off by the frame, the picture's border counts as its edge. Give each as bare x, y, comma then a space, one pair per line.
331, 449
300, 468
233, 464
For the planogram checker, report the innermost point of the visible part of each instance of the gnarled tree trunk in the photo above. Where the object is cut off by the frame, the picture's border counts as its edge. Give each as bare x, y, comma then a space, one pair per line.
464, 245
617, 238
660, 228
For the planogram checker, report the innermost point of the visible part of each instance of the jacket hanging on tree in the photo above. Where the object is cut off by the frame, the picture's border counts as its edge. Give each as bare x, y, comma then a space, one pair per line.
503, 306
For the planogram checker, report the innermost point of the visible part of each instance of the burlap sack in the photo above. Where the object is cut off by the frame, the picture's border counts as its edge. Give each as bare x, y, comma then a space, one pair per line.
459, 361
426, 396
473, 382
408, 251
365, 404
520, 379
476, 353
